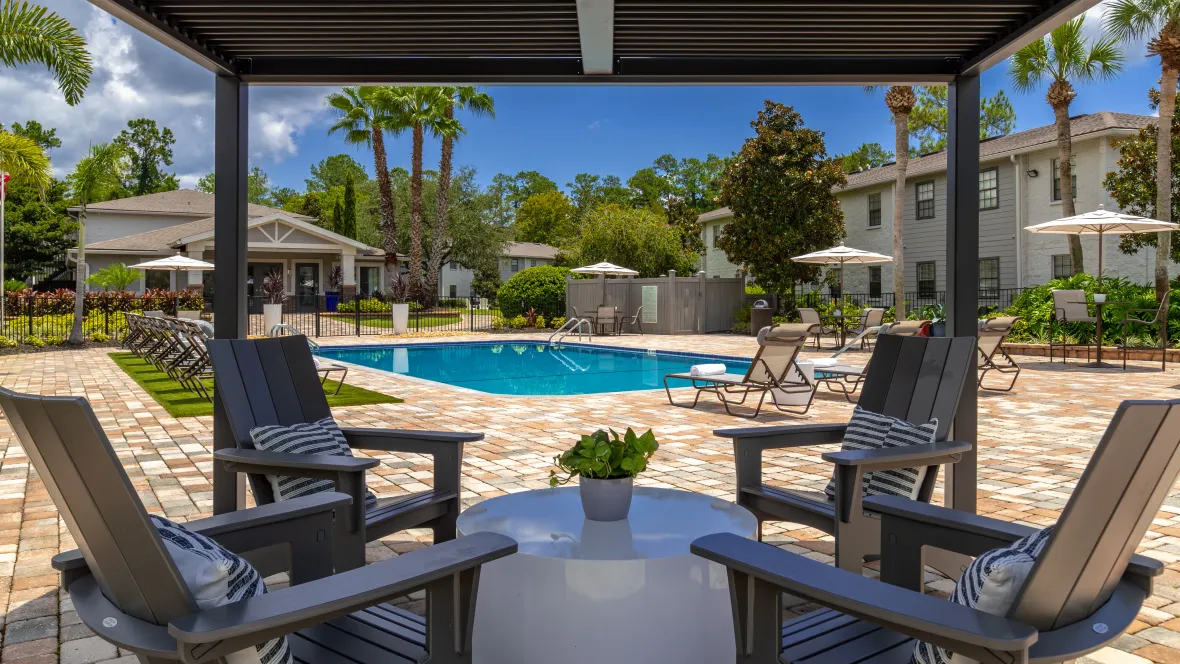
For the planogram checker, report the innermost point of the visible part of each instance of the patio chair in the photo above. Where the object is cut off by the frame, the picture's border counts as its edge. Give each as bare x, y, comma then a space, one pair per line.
1069, 306
1159, 321
322, 366
847, 378
264, 382
635, 321
772, 370
992, 334
809, 316
607, 315
128, 589
869, 319
912, 378
1084, 589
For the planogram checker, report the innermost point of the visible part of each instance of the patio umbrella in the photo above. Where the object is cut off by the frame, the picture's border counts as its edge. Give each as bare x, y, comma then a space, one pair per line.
177, 263
840, 255
1100, 222
603, 269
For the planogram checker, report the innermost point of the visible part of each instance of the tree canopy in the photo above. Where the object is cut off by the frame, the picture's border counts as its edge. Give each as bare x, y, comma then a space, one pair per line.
769, 228
149, 149
928, 120
547, 218
868, 155
258, 188
334, 171
638, 238
37, 231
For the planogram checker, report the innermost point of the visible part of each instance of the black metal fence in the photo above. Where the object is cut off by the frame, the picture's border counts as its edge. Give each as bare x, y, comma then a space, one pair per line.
332, 315
993, 298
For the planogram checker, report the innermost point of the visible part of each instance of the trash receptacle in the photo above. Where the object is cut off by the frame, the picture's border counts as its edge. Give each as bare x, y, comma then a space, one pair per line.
761, 315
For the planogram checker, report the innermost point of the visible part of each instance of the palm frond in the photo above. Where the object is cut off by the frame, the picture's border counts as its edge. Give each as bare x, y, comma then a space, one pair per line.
1105, 59
31, 34
25, 160
1030, 65
98, 173
1137, 19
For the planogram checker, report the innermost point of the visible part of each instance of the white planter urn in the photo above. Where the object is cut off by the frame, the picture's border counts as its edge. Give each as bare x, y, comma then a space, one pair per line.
272, 314
401, 317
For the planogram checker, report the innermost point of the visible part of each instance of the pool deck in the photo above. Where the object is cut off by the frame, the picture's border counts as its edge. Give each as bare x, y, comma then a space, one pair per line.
1034, 443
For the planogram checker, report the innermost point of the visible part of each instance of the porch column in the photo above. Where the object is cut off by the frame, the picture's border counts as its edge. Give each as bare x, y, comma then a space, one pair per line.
195, 277
229, 275
962, 270
348, 268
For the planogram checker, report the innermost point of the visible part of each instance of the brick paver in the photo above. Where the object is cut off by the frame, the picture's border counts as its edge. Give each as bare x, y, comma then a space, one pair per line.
1034, 444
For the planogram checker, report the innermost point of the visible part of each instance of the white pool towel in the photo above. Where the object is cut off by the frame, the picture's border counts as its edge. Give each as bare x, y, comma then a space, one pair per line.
706, 369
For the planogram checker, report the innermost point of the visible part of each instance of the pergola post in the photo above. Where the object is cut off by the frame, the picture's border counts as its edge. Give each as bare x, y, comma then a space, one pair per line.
230, 155
962, 269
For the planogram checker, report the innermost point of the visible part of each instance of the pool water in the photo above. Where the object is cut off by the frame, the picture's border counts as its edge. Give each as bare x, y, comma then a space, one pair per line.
531, 368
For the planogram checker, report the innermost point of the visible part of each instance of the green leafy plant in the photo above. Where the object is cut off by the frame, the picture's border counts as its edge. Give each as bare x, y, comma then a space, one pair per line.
605, 456
368, 306
35, 342
539, 322
54, 340
6, 342
518, 322
497, 324
114, 277
541, 288
96, 337
556, 322
14, 285
935, 313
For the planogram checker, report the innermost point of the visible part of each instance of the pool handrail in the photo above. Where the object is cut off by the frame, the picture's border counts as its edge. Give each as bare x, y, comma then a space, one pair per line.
569, 327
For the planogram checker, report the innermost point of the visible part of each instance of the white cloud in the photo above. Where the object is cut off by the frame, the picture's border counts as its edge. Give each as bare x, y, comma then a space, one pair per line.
597, 124
134, 76
1135, 52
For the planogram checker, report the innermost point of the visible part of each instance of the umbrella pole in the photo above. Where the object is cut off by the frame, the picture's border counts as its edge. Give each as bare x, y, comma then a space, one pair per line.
1100, 289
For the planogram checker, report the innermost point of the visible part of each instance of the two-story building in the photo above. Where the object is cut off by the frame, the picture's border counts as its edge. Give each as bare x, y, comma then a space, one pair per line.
1018, 187
455, 280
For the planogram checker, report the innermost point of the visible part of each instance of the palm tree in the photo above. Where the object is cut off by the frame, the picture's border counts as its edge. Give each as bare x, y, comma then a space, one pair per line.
94, 177
29, 34
901, 100
422, 109
1160, 20
479, 103
365, 120
24, 160
1063, 57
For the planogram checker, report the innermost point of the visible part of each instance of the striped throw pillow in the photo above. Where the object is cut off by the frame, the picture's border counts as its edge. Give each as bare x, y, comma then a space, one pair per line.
990, 583
873, 431
217, 577
321, 437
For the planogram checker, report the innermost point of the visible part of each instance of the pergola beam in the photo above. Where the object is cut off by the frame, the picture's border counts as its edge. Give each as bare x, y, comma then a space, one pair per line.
596, 31
1053, 16
134, 14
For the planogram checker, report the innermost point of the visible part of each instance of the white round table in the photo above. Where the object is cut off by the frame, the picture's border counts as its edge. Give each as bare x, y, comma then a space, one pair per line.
619, 592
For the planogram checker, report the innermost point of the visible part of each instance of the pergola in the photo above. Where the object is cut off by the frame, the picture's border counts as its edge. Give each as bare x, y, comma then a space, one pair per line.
346, 42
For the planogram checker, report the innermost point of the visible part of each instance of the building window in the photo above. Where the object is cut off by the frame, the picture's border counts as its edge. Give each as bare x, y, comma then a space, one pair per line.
454, 265
157, 279
989, 189
874, 281
454, 290
1073, 169
532, 262
516, 265
1062, 266
875, 209
989, 277
716, 234
926, 281
925, 196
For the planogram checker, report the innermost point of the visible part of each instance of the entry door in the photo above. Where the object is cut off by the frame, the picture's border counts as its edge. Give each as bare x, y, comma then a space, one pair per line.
256, 275
307, 284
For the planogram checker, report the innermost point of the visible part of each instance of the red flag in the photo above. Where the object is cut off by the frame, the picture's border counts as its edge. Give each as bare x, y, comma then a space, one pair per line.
4, 183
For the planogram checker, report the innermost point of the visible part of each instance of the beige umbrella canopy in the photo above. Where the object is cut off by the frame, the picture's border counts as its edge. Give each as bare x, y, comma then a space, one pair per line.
840, 255
1100, 222
604, 269
177, 263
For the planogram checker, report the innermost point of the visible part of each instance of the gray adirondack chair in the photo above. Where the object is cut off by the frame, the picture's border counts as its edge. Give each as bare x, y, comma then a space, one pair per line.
126, 588
1084, 590
274, 381
913, 378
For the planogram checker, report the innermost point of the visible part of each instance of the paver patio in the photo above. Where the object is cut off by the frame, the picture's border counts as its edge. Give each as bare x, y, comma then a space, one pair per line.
1034, 444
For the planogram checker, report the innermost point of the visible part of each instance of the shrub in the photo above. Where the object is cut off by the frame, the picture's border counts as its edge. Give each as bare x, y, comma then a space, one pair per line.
54, 340
368, 306
497, 322
100, 337
541, 288
35, 342
539, 322
741, 321
453, 302
6, 342
14, 285
518, 323
1035, 306
556, 322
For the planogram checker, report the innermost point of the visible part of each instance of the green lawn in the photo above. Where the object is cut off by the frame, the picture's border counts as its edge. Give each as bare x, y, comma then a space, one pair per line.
179, 402
416, 321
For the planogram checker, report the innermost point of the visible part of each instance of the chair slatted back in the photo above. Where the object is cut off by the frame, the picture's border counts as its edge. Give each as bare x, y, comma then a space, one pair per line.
778, 346
809, 316
1071, 305
993, 332
94, 496
906, 328
873, 317
918, 379
1122, 489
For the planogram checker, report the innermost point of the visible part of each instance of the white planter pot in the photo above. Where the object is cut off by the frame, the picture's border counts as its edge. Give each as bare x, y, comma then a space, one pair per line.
272, 314
1100, 297
606, 500
401, 318
191, 315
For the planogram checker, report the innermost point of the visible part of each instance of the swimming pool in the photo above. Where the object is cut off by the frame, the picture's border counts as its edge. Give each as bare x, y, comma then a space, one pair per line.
530, 368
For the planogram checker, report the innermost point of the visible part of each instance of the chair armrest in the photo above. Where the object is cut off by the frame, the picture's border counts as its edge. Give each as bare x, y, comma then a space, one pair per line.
406, 440
226, 629
128, 632
959, 628
767, 438
266, 461
900, 457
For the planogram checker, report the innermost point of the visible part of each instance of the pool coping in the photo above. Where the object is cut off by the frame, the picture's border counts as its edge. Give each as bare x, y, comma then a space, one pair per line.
468, 390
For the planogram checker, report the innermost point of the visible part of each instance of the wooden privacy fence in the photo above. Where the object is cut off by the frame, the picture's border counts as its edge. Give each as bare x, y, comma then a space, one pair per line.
671, 304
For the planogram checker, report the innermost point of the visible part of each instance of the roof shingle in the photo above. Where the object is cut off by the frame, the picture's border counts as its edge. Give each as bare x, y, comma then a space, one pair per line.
179, 201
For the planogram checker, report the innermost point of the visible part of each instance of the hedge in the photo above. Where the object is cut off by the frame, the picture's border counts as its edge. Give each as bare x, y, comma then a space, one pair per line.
541, 288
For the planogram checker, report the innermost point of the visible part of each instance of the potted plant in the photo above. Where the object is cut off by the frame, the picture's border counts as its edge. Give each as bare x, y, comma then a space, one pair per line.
936, 314
607, 465
399, 286
274, 292
332, 295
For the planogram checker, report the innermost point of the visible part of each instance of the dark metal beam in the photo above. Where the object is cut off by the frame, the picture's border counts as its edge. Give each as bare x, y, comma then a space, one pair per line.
962, 270
1052, 16
134, 14
230, 153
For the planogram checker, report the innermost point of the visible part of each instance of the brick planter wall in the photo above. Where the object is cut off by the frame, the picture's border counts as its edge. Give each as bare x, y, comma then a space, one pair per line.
1109, 353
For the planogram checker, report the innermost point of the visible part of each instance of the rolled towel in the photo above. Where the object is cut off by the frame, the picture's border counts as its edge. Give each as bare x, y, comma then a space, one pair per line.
824, 362
706, 370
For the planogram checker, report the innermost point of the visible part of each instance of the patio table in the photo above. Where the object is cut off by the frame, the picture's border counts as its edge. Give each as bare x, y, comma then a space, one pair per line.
587, 592
1098, 363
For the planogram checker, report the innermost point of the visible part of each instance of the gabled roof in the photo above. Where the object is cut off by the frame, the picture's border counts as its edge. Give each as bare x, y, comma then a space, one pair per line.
529, 250
179, 201
166, 240
1080, 126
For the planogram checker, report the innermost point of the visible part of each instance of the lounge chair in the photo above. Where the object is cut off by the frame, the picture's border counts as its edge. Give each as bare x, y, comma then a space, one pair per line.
912, 378
1158, 320
846, 378
1084, 589
809, 316
128, 589
772, 370
1069, 306
992, 334
635, 321
870, 318
273, 381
